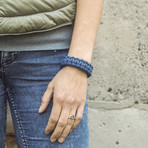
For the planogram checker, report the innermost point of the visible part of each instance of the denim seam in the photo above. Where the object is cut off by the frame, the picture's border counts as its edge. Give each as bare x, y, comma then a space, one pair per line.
4, 64
5, 115
4, 130
24, 141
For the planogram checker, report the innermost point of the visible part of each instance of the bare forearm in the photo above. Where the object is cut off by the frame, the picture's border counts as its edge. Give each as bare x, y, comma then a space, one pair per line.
88, 15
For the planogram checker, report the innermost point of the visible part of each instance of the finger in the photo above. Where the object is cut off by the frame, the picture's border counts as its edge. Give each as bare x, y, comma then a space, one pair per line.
66, 131
54, 117
46, 99
79, 116
61, 124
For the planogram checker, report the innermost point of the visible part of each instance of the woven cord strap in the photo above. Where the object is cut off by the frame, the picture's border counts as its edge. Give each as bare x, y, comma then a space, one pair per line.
79, 63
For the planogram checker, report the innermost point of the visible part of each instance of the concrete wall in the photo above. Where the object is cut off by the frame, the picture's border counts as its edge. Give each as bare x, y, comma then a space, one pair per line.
118, 88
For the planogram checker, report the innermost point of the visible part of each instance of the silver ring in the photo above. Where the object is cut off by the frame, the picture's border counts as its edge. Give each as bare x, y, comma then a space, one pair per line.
71, 117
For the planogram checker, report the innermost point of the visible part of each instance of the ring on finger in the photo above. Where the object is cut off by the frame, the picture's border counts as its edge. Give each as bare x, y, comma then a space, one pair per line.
72, 117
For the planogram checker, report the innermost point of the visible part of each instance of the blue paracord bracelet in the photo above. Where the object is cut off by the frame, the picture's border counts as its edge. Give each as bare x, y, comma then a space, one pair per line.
79, 63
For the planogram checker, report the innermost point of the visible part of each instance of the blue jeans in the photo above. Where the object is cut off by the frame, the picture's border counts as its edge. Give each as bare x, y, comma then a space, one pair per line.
24, 76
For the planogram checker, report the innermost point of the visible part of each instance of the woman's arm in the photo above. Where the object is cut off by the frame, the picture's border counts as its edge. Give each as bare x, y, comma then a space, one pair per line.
86, 25
69, 86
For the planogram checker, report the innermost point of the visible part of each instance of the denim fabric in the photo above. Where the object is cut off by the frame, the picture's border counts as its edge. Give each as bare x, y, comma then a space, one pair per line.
24, 76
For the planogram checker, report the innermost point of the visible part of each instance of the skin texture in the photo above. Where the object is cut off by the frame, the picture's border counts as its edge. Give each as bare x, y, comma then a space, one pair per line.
71, 98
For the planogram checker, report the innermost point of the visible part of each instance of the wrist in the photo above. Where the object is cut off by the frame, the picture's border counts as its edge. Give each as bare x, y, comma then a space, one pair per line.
81, 54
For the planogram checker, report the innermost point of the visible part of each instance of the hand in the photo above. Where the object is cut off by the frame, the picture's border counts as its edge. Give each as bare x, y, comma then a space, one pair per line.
68, 89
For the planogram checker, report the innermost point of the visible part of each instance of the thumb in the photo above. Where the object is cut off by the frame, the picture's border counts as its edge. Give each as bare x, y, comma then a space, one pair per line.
46, 98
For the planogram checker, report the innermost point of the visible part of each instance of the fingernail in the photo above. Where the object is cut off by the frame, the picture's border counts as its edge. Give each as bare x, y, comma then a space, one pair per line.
53, 139
61, 140
47, 132
40, 109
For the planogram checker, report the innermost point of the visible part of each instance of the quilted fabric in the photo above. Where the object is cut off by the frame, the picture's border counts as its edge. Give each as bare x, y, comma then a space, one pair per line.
28, 16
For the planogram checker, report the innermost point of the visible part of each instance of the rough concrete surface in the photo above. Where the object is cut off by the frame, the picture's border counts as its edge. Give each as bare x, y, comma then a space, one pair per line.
126, 128
120, 55
118, 88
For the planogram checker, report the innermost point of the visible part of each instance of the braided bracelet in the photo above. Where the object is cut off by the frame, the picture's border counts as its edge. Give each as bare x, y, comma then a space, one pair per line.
79, 63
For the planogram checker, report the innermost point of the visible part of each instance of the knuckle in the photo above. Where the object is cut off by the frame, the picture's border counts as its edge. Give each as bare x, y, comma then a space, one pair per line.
44, 101
70, 123
55, 136
64, 135
53, 120
61, 123
71, 100
59, 98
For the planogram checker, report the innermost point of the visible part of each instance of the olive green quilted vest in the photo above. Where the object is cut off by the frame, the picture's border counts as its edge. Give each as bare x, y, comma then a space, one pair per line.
28, 16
